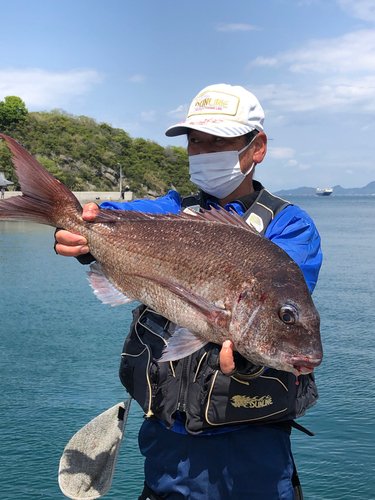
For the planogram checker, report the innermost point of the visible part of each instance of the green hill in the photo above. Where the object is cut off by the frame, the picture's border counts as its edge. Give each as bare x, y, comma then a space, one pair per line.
86, 155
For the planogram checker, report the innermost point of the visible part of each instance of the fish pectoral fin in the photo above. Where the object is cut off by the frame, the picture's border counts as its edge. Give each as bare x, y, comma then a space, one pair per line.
181, 344
103, 288
213, 314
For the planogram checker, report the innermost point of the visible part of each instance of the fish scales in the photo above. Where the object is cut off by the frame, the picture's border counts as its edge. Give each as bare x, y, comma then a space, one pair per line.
158, 256
209, 273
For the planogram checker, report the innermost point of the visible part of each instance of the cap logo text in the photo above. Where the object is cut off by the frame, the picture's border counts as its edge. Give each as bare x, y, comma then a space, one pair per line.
214, 102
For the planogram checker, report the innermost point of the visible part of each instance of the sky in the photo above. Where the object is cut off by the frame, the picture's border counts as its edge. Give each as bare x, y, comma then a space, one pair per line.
137, 65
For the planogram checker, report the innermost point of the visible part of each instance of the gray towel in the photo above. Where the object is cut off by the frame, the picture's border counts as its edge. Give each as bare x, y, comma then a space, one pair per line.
89, 460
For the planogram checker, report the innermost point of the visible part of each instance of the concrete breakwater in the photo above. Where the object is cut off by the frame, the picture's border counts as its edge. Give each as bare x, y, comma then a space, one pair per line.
87, 196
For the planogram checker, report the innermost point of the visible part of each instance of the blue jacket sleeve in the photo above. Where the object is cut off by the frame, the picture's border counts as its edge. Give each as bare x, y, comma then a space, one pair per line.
170, 203
295, 232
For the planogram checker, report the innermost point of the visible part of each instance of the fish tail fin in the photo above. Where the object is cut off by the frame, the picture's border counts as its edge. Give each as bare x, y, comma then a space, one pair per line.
43, 199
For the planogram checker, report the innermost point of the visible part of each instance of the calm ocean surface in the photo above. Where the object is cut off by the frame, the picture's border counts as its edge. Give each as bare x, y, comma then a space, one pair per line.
60, 350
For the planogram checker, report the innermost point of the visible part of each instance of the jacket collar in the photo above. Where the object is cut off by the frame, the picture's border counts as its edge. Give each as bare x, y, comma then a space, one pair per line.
245, 201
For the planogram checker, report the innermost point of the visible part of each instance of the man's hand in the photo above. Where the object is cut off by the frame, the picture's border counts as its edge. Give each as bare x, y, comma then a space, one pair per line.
232, 363
226, 357
71, 244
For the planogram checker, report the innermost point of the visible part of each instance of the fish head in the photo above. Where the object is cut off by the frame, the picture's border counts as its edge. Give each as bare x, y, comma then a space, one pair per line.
278, 328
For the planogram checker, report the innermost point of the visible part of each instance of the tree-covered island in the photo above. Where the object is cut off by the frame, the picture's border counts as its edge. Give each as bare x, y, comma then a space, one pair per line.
86, 155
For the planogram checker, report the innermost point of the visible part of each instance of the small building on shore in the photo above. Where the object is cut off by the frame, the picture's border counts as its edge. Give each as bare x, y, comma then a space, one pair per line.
3, 182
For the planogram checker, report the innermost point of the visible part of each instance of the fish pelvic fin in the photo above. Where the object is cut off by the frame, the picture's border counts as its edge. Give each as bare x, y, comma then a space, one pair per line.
43, 196
181, 344
103, 288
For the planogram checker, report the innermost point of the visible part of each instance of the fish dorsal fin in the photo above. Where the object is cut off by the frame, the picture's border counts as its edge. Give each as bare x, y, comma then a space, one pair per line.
213, 215
225, 217
103, 288
109, 215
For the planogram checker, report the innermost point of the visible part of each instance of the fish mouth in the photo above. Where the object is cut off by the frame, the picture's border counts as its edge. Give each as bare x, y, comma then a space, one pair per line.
302, 365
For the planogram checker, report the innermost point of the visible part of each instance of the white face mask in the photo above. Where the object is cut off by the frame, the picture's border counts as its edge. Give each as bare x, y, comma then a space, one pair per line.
219, 173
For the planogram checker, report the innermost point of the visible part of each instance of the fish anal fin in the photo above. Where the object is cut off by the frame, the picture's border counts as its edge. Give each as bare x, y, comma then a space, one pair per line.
103, 288
181, 344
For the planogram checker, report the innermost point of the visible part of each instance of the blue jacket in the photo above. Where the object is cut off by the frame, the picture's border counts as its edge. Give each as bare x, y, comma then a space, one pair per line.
232, 465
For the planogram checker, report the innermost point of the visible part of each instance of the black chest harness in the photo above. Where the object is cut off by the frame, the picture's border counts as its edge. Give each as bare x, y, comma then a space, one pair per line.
203, 395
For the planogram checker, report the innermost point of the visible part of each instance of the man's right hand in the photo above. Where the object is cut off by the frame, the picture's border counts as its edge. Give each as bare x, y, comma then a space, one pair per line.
71, 244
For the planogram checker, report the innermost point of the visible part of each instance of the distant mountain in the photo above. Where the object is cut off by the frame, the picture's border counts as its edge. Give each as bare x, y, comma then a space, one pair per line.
369, 189
337, 190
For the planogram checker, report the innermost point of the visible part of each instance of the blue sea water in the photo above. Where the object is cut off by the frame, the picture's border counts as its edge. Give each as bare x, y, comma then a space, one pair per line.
60, 350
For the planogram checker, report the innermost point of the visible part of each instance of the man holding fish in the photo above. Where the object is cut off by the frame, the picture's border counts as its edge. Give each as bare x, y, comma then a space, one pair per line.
219, 414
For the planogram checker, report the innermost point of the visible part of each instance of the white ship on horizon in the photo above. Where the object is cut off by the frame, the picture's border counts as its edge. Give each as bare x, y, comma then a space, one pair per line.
324, 191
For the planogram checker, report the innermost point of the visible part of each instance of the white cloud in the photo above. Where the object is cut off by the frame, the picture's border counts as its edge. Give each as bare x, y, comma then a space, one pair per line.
264, 61
138, 78
41, 88
333, 95
180, 112
368, 127
361, 9
237, 27
291, 163
285, 153
345, 76
341, 73
350, 53
148, 116
280, 152
308, 2
307, 153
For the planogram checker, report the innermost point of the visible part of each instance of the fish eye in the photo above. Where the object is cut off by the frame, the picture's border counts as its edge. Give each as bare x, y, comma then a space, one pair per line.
288, 314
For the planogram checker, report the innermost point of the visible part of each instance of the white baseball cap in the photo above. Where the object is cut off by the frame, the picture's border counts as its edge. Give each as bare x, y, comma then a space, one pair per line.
222, 110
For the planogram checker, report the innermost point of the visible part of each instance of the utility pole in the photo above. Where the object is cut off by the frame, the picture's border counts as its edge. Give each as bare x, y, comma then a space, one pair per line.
120, 178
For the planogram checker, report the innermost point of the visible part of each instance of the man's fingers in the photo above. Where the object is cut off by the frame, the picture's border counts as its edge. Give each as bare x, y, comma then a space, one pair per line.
70, 244
226, 357
90, 211
70, 239
73, 245
71, 251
